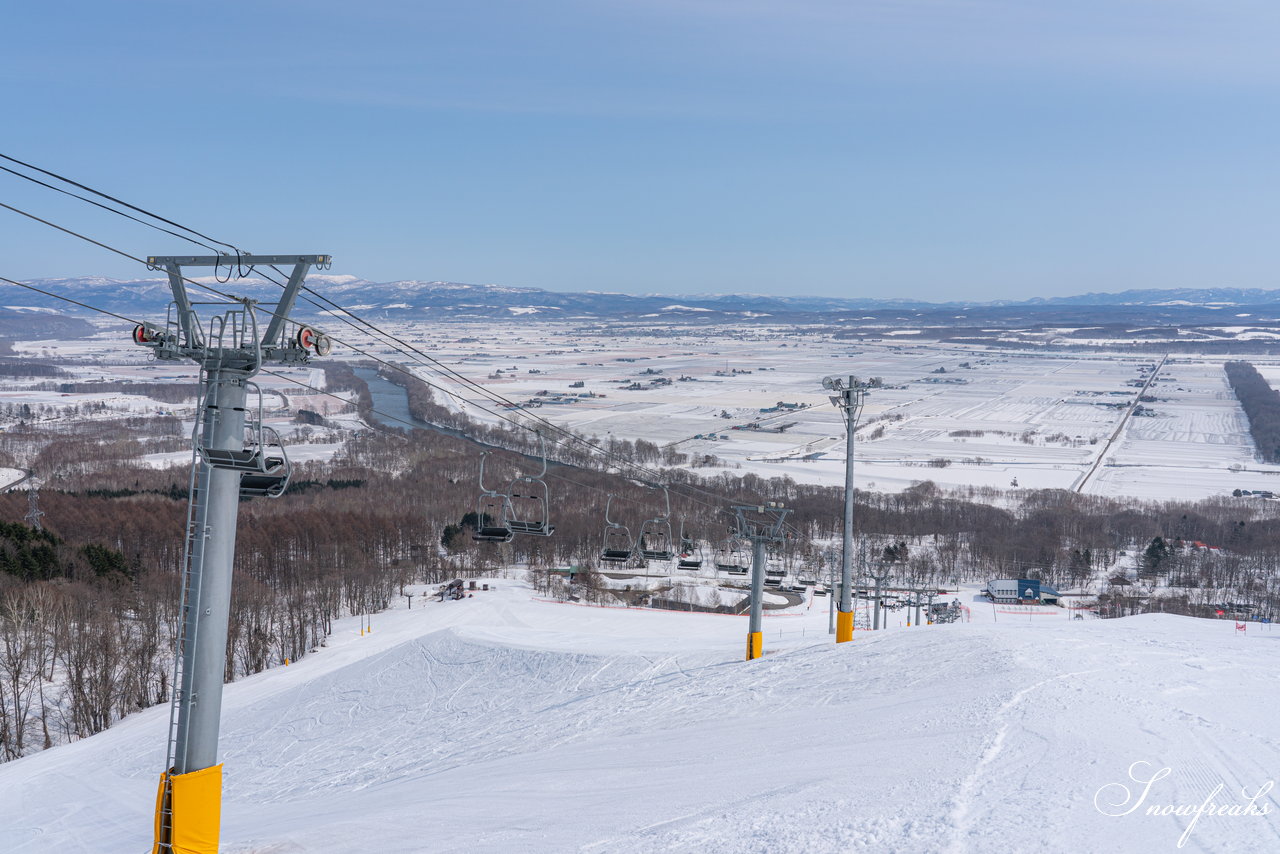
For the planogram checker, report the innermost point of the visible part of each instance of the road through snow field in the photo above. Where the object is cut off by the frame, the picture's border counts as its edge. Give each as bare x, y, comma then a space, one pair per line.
505, 723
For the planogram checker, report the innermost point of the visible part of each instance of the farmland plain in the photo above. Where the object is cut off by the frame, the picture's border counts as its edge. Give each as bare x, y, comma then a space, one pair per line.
749, 397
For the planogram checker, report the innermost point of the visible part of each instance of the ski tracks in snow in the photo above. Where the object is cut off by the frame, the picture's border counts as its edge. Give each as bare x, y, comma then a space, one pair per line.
1003, 721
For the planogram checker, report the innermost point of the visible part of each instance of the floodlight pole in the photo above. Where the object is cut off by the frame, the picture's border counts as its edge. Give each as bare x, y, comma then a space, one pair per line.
848, 398
761, 525
229, 351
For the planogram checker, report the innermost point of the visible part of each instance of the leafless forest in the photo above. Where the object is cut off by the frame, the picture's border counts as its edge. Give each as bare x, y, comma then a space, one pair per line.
89, 606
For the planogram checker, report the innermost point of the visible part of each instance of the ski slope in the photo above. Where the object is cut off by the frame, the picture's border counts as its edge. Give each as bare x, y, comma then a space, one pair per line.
504, 723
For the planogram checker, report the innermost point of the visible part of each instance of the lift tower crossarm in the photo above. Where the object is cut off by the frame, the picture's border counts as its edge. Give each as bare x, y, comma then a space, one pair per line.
173, 264
285, 305
243, 260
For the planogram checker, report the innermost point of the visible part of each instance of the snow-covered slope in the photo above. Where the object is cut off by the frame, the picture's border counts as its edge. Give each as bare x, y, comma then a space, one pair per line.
504, 723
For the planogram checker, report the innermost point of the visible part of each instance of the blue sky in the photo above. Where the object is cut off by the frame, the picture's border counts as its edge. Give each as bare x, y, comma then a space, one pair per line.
937, 149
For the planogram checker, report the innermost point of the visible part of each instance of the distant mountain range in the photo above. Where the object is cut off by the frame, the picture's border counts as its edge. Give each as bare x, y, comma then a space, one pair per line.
1166, 297
443, 300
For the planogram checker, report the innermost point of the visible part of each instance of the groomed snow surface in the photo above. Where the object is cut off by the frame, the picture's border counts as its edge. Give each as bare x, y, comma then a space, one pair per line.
506, 723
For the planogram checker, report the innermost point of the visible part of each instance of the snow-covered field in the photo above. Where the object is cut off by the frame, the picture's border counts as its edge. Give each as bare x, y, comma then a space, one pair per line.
961, 416
509, 723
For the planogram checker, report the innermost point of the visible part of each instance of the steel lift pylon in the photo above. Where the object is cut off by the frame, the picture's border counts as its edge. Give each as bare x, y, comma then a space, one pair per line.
761, 524
228, 462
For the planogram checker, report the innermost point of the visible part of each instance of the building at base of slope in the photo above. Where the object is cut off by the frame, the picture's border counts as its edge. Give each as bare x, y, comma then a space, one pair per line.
1022, 591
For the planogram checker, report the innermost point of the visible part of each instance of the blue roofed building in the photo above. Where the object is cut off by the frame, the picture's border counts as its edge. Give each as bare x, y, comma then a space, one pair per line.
1022, 591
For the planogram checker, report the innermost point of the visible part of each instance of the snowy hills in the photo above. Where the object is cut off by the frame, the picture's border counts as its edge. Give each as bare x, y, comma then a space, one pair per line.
1167, 296
440, 300
505, 722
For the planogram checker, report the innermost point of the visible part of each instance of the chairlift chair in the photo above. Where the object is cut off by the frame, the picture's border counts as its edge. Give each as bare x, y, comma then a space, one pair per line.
655, 534
273, 478
492, 511
491, 525
529, 509
690, 552
618, 545
262, 462
731, 557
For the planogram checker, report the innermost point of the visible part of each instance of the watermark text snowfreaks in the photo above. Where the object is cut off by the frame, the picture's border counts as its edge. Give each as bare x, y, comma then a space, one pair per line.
1142, 798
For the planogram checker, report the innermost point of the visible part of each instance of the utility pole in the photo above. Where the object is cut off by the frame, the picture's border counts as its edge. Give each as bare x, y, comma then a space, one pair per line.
761, 525
848, 399
234, 456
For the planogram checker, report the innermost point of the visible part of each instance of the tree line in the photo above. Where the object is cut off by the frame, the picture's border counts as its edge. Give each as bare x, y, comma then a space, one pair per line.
89, 608
1261, 405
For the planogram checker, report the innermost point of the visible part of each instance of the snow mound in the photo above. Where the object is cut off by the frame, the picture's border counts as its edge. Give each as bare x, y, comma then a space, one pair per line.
505, 723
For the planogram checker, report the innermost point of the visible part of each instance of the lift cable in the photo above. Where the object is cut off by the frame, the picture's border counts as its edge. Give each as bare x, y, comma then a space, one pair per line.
67, 299
386, 415
103, 195
656, 477
652, 474
458, 377
116, 211
576, 483
231, 298
454, 374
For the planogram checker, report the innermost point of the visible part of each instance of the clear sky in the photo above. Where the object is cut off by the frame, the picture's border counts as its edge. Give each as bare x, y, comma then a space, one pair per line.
936, 149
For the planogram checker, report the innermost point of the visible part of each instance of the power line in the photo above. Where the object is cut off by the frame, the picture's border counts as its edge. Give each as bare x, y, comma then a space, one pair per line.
656, 477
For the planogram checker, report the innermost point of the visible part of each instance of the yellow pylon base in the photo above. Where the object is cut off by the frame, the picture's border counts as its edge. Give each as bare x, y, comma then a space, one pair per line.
844, 626
196, 806
755, 645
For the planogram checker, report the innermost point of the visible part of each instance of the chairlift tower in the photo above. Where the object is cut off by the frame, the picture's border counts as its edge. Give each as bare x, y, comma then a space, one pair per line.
848, 398
234, 456
878, 576
762, 524
829, 564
